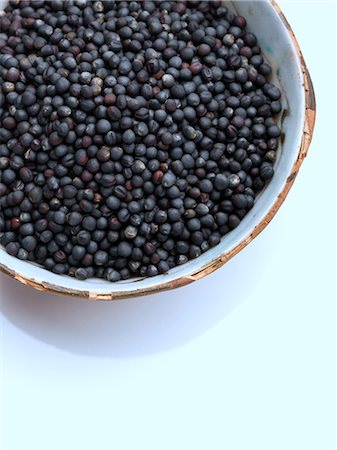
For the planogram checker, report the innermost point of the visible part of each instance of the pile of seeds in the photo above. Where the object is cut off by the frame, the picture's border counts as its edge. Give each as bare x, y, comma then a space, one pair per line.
133, 134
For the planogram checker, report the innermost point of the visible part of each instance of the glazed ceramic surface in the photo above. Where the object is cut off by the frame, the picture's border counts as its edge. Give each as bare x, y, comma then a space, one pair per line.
290, 74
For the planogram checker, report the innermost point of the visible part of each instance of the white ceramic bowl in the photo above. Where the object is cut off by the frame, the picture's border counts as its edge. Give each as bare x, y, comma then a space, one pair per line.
282, 51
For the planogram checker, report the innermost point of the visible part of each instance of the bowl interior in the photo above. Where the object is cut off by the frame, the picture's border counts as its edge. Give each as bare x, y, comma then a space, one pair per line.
279, 50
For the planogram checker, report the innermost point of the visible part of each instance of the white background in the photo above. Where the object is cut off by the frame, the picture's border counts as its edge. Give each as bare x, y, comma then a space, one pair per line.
242, 359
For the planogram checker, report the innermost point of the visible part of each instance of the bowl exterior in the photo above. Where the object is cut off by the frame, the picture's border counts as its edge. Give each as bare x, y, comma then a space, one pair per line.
280, 47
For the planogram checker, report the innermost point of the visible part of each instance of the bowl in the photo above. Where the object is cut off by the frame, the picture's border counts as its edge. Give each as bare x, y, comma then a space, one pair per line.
290, 73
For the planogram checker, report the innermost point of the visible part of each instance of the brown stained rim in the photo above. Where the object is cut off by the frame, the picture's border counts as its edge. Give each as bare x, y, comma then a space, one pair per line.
309, 122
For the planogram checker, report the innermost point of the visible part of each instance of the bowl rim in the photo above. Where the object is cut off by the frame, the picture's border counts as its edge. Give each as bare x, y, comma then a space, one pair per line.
308, 127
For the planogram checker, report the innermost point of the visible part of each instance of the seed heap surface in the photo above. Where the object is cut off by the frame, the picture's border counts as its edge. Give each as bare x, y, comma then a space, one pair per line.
133, 135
